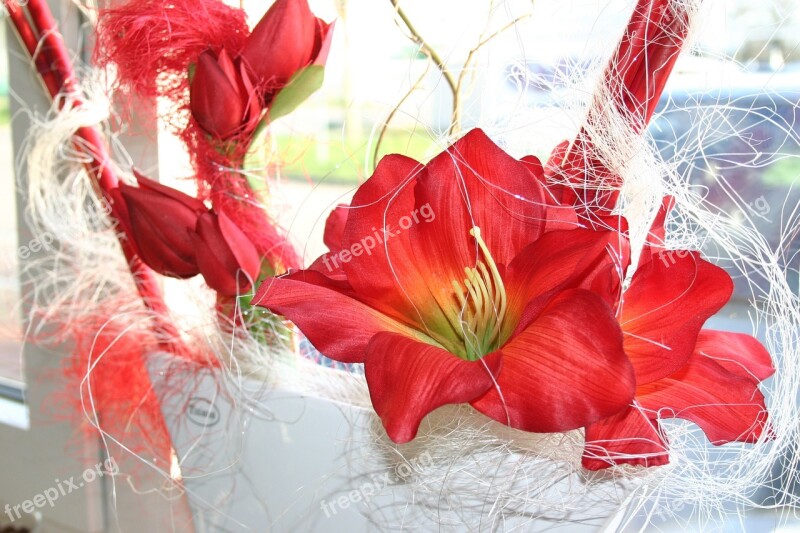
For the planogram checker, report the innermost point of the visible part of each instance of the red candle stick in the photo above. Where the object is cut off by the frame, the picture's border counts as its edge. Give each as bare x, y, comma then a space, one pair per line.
45, 45
634, 80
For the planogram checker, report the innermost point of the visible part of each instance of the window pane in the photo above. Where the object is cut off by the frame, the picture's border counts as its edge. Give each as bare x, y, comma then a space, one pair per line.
11, 372
731, 118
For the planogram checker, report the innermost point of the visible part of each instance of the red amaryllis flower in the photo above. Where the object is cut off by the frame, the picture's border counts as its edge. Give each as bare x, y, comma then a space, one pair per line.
222, 98
708, 377
160, 222
288, 38
227, 259
449, 288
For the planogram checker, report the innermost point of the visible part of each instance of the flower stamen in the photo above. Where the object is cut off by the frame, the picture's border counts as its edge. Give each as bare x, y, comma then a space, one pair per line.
483, 301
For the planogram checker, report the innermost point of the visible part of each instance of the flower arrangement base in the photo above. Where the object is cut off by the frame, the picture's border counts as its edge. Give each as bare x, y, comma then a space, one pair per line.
277, 460
256, 459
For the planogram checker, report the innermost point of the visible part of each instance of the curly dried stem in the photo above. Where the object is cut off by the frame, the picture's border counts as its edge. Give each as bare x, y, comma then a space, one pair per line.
456, 124
390, 116
436, 59
454, 83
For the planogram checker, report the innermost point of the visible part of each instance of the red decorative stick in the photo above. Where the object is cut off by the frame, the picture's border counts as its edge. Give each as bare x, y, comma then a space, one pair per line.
31, 44
634, 80
46, 46
644, 59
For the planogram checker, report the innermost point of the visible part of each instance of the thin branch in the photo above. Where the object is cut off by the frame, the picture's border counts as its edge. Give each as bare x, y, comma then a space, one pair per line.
391, 115
455, 124
454, 83
425, 47
485, 41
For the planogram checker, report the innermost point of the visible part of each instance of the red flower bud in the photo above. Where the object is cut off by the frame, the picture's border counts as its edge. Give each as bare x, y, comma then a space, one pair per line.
288, 38
160, 223
334, 228
222, 97
223, 251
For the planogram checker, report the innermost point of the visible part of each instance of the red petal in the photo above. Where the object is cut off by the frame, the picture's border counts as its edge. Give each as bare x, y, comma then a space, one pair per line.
120, 213
566, 370
737, 353
644, 59
664, 308
187, 201
475, 183
581, 179
281, 43
250, 99
225, 63
657, 236
559, 215
655, 247
242, 248
726, 406
334, 228
562, 217
559, 260
216, 260
161, 228
570, 168
377, 254
558, 193
329, 266
327, 313
408, 379
628, 437
214, 99
536, 168
322, 40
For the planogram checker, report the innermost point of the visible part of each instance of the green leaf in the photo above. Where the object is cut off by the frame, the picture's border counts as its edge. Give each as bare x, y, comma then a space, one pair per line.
264, 326
302, 85
192, 70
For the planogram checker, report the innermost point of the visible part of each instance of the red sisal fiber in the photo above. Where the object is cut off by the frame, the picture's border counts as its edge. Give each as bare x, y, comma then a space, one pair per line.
107, 382
151, 40
230, 193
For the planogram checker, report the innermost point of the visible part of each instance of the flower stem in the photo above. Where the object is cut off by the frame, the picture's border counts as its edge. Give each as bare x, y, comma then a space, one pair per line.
392, 113
454, 83
31, 44
425, 47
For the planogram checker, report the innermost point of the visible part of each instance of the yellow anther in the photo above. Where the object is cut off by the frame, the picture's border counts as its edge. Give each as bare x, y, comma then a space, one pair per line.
483, 303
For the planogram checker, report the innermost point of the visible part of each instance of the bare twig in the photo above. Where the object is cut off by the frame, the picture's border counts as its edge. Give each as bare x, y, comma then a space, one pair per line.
455, 84
425, 47
455, 124
391, 115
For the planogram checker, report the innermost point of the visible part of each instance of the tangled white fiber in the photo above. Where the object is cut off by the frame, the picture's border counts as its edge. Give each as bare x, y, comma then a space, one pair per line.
86, 268
482, 475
